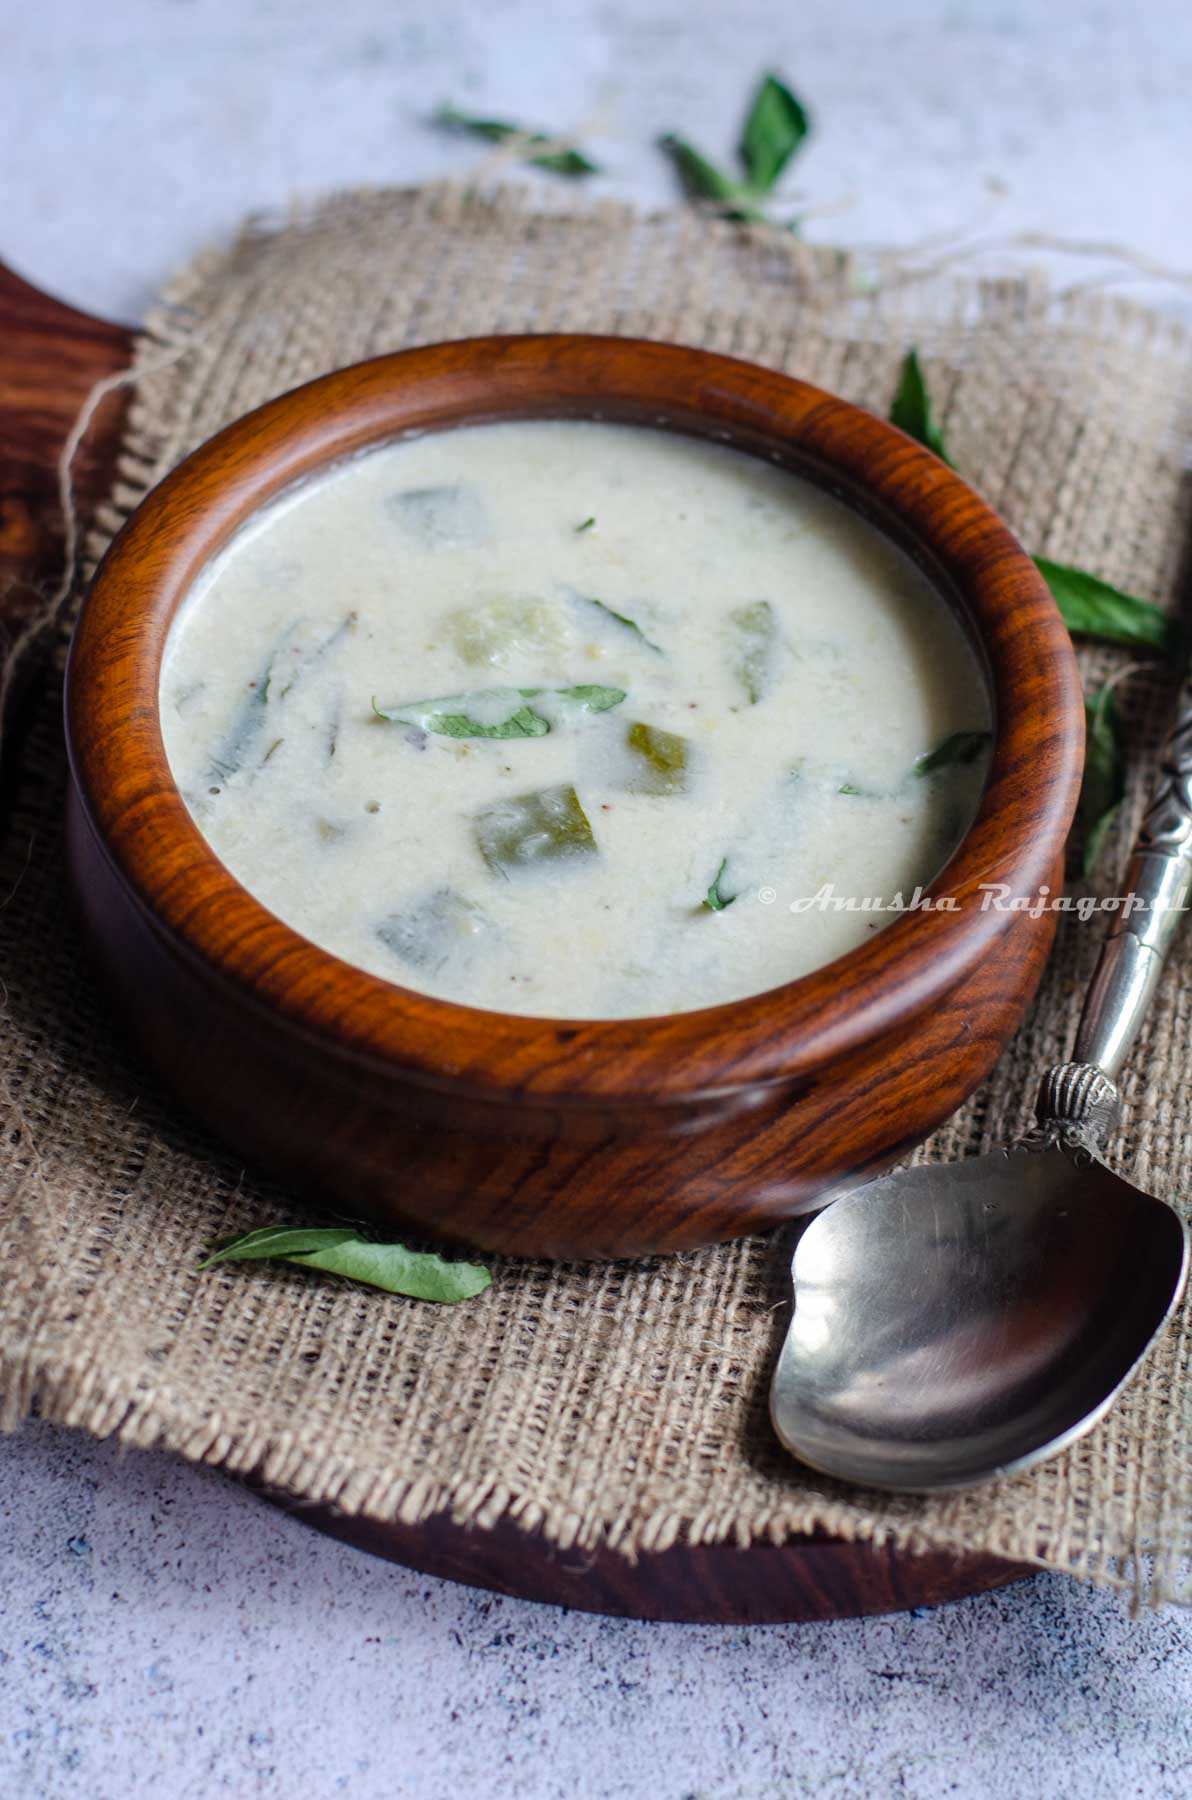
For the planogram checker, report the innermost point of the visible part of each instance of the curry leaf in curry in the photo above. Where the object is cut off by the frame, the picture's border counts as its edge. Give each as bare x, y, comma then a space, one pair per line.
622, 619
588, 696
503, 712
1104, 784
304, 649
240, 742
418, 1274
961, 747
539, 147
296, 651
716, 899
240, 739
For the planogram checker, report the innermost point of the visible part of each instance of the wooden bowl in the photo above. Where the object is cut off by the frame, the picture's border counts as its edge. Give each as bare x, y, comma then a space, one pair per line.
552, 1136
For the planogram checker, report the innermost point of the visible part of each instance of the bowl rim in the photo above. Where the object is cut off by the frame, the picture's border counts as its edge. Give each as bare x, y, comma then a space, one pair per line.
782, 1035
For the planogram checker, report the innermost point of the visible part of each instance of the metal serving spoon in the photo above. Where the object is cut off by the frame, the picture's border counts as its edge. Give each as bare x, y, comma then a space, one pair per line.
957, 1322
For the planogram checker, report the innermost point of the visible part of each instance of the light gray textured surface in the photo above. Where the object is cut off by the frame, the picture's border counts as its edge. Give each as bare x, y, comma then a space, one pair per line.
160, 1631
163, 1632
133, 133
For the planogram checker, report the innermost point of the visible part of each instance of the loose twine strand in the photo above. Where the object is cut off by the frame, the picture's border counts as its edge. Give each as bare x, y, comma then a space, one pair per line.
20, 654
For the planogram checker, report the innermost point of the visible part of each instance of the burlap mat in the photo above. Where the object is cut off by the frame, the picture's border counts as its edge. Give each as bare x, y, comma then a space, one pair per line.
621, 1404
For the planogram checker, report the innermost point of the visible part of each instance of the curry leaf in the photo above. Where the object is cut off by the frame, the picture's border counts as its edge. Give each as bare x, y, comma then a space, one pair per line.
1104, 782
912, 411
455, 715
620, 618
438, 716
716, 899
419, 1274
1094, 608
960, 747
589, 697
278, 1240
540, 148
775, 128
704, 181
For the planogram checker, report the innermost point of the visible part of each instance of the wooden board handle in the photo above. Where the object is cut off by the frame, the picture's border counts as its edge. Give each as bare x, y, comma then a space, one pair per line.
51, 356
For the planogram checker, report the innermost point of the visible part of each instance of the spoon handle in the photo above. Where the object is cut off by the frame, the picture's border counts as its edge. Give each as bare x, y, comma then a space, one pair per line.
1078, 1100
1155, 893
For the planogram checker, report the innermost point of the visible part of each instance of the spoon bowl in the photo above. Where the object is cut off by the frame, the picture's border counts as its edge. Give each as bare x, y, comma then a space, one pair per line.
955, 1323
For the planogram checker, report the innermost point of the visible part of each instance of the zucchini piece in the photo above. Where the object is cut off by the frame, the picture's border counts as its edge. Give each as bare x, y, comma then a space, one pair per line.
660, 760
440, 928
499, 630
755, 637
549, 826
443, 518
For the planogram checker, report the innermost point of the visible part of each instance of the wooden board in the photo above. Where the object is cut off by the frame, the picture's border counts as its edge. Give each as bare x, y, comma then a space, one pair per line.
50, 358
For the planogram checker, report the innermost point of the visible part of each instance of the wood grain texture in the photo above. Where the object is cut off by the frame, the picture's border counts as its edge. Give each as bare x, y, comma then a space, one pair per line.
49, 358
53, 356
807, 1578
543, 1136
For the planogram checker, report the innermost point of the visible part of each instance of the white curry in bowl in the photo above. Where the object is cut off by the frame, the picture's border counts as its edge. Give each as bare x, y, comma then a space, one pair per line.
573, 719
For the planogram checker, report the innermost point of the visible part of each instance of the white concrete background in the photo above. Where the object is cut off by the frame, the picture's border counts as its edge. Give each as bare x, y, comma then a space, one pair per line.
162, 1632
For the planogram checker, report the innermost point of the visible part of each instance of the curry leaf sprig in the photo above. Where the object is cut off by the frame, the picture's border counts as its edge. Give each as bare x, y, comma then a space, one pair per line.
418, 1274
1089, 607
775, 129
538, 148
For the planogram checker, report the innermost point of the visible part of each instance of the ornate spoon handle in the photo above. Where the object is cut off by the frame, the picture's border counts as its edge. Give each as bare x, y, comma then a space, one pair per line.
1078, 1100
